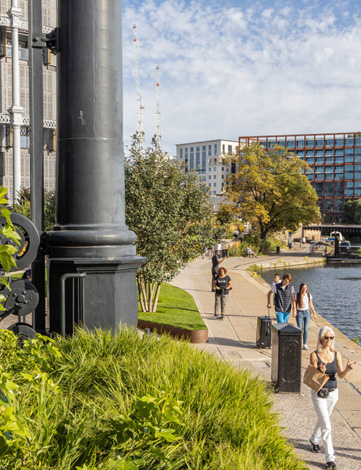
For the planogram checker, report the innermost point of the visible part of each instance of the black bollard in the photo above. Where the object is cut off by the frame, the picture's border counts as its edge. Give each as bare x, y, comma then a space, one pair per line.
90, 235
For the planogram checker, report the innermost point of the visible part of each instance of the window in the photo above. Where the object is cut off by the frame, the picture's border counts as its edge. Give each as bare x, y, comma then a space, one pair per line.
215, 149
319, 152
328, 189
357, 192
338, 151
319, 189
319, 177
329, 152
301, 153
209, 177
329, 159
349, 151
357, 158
349, 142
319, 169
214, 177
223, 149
310, 143
319, 160
329, 205
357, 175
349, 184
310, 160
319, 143
281, 143
310, 152
357, 167
349, 176
214, 185
291, 144
329, 142
329, 169
339, 142
339, 160
358, 141
349, 158
339, 169
300, 143
357, 184
348, 192
338, 205
181, 153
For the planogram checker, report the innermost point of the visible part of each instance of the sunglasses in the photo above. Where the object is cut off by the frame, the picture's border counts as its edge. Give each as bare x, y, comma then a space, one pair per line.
328, 338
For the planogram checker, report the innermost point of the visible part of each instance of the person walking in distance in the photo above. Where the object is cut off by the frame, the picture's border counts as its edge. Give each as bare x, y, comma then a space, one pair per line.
304, 306
216, 261
222, 286
328, 361
284, 297
277, 279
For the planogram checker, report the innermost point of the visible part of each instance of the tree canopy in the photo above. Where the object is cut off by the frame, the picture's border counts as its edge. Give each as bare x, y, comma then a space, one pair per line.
272, 191
352, 212
170, 212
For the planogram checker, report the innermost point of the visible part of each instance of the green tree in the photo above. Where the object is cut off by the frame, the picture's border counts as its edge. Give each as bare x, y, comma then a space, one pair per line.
23, 206
170, 212
272, 190
352, 212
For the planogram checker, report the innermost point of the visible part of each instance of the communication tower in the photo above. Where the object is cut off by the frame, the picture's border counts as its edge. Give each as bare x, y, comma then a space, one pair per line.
157, 139
139, 135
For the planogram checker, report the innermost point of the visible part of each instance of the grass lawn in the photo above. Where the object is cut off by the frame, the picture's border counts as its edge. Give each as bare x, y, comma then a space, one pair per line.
176, 308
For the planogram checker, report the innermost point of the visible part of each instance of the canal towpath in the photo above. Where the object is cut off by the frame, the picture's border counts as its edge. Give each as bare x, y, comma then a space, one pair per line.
233, 339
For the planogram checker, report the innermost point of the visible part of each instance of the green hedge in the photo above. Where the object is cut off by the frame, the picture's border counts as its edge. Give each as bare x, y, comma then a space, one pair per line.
99, 401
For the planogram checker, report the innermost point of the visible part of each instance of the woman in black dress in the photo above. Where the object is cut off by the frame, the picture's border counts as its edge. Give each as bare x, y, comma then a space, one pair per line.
222, 285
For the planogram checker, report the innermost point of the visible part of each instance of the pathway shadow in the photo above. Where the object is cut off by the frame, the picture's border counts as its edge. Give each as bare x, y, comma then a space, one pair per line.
234, 343
340, 452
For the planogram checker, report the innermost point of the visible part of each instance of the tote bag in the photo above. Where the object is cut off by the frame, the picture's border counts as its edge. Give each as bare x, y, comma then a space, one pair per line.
314, 379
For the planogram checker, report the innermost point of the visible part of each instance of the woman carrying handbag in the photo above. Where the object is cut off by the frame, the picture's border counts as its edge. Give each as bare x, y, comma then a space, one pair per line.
328, 361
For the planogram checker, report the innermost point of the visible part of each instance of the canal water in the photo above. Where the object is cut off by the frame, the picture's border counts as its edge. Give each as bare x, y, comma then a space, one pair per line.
336, 293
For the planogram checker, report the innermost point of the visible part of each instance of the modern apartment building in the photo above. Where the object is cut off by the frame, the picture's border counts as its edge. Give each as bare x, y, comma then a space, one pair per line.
49, 78
335, 165
207, 159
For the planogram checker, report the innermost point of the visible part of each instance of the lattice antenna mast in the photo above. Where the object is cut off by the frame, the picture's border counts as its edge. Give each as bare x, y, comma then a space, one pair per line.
157, 139
139, 135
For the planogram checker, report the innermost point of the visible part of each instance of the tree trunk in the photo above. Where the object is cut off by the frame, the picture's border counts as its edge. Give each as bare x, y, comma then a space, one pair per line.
148, 295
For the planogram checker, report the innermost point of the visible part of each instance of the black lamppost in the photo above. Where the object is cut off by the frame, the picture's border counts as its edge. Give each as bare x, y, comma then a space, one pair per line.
90, 235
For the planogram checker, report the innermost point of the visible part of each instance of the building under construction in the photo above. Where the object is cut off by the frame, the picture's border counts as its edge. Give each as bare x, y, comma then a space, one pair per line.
6, 96
334, 160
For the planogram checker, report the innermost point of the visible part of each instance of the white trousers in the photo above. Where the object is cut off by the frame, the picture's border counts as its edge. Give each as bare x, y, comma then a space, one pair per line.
324, 407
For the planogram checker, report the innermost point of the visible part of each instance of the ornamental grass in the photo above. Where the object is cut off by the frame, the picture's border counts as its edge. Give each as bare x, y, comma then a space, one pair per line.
102, 401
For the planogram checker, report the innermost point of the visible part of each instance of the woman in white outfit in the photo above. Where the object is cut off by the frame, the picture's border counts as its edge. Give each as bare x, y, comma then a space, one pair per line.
328, 361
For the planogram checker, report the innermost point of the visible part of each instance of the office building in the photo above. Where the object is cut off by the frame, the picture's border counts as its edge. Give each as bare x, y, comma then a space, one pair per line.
207, 158
335, 165
49, 106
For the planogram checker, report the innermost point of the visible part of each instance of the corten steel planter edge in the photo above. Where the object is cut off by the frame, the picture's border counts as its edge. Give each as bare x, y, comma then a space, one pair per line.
195, 336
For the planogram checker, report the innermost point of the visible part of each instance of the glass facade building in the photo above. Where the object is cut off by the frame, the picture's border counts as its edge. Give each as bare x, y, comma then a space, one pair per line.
207, 159
334, 161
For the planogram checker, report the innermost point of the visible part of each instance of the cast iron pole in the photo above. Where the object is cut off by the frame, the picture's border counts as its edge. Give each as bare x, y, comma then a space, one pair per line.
90, 234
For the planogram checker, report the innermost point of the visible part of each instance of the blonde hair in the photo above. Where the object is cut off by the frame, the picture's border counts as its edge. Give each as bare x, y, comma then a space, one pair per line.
321, 335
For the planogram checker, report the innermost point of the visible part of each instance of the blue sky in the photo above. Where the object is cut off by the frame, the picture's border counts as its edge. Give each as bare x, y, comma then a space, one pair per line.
237, 68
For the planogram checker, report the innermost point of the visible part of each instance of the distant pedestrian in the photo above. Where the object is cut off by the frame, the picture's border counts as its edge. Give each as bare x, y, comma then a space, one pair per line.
27, 275
328, 361
284, 297
304, 306
222, 285
250, 252
277, 280
216, 261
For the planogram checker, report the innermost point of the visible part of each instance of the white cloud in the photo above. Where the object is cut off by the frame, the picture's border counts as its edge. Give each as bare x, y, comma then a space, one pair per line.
228, 71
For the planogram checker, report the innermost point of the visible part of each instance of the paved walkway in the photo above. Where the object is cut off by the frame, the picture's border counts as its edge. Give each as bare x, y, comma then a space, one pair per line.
233, 339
